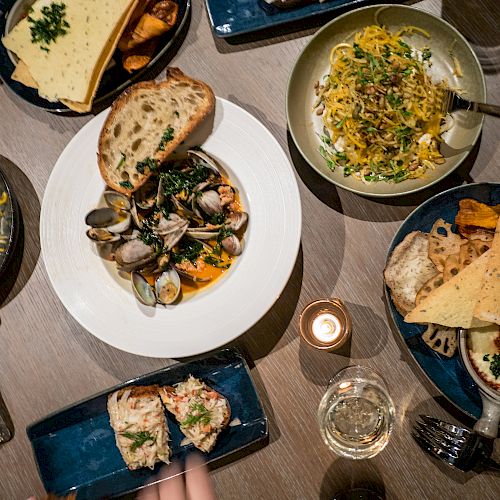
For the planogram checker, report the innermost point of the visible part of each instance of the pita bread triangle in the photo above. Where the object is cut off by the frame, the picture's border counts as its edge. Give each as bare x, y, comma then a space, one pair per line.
452, 304
487, 307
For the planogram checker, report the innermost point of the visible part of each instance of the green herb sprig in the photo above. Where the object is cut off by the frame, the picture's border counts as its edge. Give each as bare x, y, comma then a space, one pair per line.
167, 136
51, 25
198, 414
138, 438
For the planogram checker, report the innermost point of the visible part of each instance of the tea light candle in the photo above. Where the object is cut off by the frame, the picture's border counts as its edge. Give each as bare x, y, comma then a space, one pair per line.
326, 328
325, 324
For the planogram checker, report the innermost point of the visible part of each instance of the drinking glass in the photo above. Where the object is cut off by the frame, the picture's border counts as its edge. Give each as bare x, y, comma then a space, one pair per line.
356, 414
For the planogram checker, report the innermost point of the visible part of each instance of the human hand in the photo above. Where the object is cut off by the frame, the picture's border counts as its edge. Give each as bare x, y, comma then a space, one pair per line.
198, 485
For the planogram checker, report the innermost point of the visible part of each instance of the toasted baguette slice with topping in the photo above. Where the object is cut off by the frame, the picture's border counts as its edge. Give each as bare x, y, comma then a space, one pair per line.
137, 417
146, 123
201, 412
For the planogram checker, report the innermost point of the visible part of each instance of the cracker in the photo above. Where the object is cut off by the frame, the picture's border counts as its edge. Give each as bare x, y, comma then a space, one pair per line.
452, 304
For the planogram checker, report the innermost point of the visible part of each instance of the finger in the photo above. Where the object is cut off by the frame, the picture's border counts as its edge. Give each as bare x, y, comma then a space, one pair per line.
199, 485
148, 493
172, 483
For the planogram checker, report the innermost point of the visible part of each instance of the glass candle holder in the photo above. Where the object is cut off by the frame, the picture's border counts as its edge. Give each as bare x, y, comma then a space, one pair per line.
325, 324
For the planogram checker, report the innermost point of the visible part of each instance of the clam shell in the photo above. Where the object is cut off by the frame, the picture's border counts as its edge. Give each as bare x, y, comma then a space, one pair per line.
124, 222
133, 251
167, 287
102, 217
232, 245
117, 200
102, 236
209, 202
210, 162
236, 220
143, 290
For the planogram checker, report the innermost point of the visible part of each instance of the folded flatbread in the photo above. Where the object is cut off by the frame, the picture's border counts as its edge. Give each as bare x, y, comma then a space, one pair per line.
487, 306
452, 304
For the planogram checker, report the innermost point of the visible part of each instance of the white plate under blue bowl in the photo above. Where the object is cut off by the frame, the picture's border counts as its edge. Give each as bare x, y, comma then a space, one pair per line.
447, 374
75, 447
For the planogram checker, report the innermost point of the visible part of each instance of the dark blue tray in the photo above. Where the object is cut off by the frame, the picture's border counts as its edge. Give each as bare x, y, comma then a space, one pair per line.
114, 80
447, 374
236, 17
75, 448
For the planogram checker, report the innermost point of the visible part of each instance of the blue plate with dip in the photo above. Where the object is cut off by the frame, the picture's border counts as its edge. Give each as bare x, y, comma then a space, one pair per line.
115, 78
75, 447
448, 375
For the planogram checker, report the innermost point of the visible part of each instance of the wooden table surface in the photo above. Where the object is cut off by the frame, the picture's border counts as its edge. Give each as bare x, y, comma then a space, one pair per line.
48, 361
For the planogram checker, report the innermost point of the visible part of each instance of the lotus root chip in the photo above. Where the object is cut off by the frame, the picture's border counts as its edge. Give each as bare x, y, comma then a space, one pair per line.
443, 242
430, 285
441, 339
452, 266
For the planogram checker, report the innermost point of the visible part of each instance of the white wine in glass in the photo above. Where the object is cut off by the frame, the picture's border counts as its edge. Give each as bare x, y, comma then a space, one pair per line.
356, 413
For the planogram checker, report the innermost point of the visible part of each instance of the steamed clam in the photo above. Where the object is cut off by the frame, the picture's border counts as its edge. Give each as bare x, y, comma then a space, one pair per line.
167, 286
185, 225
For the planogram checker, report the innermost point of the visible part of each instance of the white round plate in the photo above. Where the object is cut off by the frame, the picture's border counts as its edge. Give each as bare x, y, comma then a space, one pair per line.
103, 303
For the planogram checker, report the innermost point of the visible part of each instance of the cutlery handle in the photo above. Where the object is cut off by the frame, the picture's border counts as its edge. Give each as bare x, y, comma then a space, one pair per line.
487, 425
487, 109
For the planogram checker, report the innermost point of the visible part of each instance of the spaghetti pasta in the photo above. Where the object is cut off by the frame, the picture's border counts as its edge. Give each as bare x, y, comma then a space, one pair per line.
382, 113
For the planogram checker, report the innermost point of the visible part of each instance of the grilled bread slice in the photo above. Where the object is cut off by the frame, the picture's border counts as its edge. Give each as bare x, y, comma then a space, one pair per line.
146, 123
137, 417
201, 412
408, 269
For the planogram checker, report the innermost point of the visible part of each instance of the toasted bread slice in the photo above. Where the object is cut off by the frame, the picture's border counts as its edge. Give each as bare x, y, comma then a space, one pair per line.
201, 412
408, 269
146, 123
137, 417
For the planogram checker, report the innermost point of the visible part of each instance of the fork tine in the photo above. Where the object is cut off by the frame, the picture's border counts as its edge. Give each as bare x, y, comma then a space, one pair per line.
436, 430
447, 446
436, 453
450, 428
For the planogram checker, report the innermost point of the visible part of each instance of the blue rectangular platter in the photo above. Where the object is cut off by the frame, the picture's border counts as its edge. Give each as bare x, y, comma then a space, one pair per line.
75, 448
236, 17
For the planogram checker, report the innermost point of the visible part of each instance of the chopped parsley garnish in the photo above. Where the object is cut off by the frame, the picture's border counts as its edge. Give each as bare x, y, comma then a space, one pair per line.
52, 24
426, 54
211, 260
176, 113
486, 357
358, 51
167, 136
122, 161
495, 365
218, 219
198, 414
148, 237
188, 250
176, 181
138, 438
147, 163
126, 185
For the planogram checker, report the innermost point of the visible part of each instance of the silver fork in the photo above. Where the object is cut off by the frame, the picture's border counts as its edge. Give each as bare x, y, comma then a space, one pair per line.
466, 450
454, 102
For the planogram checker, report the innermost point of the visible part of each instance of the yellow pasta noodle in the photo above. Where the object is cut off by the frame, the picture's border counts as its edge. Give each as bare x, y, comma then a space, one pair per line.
382, 113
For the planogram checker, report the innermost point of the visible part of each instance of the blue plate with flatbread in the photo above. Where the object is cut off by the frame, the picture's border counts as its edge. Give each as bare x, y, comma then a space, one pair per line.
448, 375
